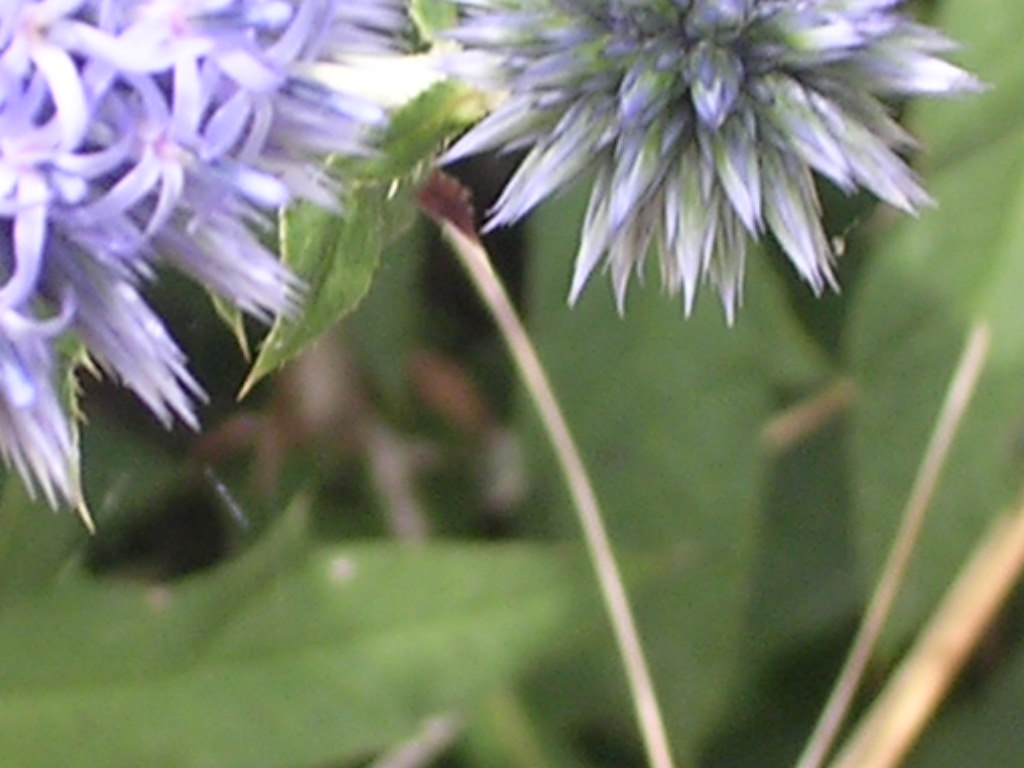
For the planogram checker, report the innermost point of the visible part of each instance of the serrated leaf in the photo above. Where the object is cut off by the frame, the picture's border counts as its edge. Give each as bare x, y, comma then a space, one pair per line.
930, 279
420, 128
335, 255
290, 656
384, 329
233, 319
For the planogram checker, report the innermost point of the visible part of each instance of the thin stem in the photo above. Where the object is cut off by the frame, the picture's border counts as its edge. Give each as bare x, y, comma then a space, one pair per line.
958, 396
807, 417
435, 736
913, 692
475, 260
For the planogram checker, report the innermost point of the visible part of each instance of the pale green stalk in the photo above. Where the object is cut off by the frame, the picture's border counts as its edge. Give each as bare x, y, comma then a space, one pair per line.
961, 389
475, 260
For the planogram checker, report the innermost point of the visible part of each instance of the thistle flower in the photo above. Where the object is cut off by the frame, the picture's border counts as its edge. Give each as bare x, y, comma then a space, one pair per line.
139, 133
703, 121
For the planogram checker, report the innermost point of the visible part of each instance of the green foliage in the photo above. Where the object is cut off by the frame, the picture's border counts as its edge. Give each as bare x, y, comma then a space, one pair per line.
668, 411
283, 657
930, 280
320, 636
431, 16
33, 547
420, 128
335, 255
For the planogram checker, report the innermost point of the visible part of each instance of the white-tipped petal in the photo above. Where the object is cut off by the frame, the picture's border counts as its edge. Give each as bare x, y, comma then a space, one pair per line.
716, 113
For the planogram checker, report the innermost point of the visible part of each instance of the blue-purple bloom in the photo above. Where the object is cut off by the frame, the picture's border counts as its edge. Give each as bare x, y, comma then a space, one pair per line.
140, 133
703, 122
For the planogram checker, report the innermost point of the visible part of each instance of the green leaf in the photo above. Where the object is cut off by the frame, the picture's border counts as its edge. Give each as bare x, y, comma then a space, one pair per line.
289, 656
420, 128
805, 600
234, 321
336, 257
668, 412
504, 734
35, 542
384, 331
432, 16
807, 581
930, 279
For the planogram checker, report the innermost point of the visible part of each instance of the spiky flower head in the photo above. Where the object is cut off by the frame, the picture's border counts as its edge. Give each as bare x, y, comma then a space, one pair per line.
135, 133
703, 122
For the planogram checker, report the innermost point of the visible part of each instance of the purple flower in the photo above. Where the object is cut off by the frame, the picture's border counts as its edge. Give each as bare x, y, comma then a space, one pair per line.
703, 122
135, 133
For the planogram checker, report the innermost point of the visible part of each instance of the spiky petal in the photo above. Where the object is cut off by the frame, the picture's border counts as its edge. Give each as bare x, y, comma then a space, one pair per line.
135, 133
704, 121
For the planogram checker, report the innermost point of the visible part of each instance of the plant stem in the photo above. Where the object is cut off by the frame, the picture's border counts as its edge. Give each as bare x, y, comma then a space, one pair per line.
958, 396
915, 689
794, 424
475, 260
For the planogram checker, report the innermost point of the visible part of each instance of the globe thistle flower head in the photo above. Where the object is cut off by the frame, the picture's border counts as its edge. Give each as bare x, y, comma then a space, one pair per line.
703, 122
136, 134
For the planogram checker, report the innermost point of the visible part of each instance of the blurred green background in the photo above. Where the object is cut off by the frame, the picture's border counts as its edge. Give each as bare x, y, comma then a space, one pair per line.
374, 549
